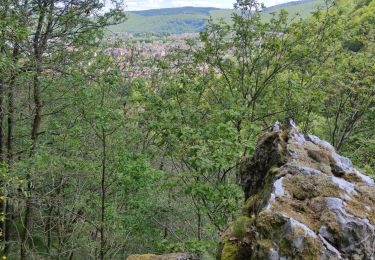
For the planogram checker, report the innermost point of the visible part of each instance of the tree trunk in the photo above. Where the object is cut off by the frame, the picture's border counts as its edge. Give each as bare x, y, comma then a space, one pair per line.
28, 219
10, 152
199, 225
103, 194
2, 90
38, 46
2, 203
2, 93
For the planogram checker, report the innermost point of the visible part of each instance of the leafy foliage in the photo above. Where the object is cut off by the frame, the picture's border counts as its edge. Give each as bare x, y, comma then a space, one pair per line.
98, 161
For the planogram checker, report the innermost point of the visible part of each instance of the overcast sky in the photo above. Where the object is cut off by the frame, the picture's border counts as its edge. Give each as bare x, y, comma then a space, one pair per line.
132, 5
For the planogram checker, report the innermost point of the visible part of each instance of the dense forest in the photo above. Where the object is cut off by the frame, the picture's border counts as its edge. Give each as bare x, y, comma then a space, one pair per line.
98, 163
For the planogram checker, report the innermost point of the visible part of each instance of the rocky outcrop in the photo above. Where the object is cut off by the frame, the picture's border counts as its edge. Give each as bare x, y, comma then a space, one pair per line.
175, 256
303, 201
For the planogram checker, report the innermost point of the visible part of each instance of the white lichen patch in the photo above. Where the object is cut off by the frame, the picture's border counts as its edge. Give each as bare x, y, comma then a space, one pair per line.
277, 127
316, 140
309, 171
273, 254
296, 224
299, 138
278, 188
342, 162
366, 179
278, 191
344, 185
335, 203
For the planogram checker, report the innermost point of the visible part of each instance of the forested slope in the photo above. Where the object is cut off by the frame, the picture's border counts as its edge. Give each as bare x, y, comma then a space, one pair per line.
194, 19
101, 161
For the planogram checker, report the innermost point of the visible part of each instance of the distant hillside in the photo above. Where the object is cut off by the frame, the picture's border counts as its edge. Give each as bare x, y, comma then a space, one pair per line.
179, 10
304, 8
286, 5
162, 24
169, 21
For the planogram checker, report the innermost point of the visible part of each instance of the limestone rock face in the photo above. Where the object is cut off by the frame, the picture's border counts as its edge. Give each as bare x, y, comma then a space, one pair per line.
175, 256
303, 201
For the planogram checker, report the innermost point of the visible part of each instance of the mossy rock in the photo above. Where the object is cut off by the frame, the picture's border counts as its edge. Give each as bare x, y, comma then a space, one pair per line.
306, 187
269, 223
252, 205
141, 257
321, 156
173, 256
241, 227
319, 197
351, 177
263, 248
229, 252
309, 248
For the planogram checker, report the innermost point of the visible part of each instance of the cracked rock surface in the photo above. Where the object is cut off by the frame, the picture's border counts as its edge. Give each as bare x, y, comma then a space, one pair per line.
303, 201
175, 256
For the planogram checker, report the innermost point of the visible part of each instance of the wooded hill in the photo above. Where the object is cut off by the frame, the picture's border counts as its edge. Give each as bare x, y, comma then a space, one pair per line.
193, 19
98, 161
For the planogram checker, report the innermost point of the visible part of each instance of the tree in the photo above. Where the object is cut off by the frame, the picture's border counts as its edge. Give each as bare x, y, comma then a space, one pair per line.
42, 34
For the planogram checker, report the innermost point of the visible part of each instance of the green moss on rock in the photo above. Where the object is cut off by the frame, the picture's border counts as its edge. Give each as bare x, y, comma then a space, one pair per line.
269, 223
229, 252
173, 256
321, 156
304, 187
241, 227
251, 205
312, 249
309, 248
141, 257
351, 177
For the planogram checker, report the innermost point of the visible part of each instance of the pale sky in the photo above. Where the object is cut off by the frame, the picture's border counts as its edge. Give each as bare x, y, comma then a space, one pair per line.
132, 5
